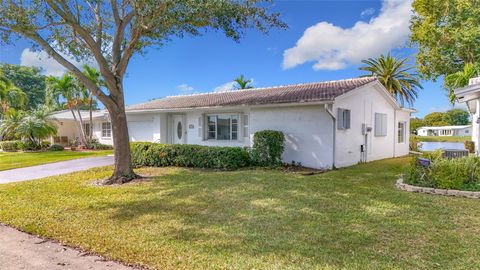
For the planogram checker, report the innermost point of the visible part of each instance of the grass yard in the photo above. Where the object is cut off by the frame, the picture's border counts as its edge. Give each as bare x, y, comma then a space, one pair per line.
444, 138
252, 219
12, 160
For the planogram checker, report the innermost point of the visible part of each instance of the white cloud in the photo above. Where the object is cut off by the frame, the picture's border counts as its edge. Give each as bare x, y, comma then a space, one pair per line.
49, 66
184, 87
332, 47
225, 87
367, 12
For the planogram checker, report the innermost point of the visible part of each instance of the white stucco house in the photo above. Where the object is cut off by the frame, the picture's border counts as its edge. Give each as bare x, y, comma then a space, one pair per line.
326, 124
465, 130
470, 95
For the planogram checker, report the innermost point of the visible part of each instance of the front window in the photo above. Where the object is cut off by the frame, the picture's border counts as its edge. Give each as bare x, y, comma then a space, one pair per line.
222, 127
86, 129
106, 130
401, 132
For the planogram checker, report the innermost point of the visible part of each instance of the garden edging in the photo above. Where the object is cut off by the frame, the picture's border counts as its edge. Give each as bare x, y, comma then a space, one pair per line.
436, 191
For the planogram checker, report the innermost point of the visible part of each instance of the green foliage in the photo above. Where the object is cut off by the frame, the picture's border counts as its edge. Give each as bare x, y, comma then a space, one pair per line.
184, 155
242, 83
268, 147
29, 80
94, 144
456, 117
460, 173
415, 123
446, 33
10, 146
460, 79
470, 146
434, 119
56, 147
414, 143
399, 78
11, 97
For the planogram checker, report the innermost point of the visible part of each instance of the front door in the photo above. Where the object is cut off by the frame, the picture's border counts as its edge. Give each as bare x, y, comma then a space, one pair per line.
178, 129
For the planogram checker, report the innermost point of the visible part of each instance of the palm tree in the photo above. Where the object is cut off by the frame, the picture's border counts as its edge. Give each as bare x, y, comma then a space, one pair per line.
242, 83
34, 126
11, 97
95, 77
396, 75
65, 88
460, 79
9, 125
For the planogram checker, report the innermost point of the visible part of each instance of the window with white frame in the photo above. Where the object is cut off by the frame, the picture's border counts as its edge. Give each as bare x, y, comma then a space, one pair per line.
86, 129
380, 124
222, 127
401, 132
343, 119
106, 130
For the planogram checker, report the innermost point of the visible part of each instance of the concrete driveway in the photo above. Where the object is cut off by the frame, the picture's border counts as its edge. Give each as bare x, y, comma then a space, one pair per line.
51, 169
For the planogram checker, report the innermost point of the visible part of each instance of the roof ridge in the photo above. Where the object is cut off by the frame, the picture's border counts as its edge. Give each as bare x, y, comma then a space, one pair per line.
262, 88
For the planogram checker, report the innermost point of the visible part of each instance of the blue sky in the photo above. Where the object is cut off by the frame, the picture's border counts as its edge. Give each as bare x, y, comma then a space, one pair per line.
339, 35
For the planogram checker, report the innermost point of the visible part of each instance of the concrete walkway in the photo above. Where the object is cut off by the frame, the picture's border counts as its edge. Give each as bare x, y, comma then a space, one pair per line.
56, 168
20, 250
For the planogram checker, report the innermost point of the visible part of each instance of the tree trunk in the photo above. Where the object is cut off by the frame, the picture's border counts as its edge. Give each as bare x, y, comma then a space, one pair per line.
79, 126
91, 120
123, 171
82, 127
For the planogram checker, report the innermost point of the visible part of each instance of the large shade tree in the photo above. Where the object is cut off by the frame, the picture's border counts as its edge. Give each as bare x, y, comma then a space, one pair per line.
111, 32
29, 79
399, 78
447, 34
11, 97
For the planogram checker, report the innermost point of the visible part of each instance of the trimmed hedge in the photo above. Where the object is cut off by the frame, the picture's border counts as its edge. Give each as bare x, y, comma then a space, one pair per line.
268, 147
11, 146
56, 147
184, 155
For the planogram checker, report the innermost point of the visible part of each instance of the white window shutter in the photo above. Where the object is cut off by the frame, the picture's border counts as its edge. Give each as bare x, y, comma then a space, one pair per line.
384, 125
378, 124
200, 126
245, 125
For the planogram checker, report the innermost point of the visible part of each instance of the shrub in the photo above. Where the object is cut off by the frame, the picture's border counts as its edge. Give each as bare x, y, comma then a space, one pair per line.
184, 155
95, 145
470, 146
414, 143
268, 147
56, 147
10, 146
461, 173
45, 144
29, 146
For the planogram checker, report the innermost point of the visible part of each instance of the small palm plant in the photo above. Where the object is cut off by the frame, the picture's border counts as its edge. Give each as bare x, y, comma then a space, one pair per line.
242, 83
396, 75
460, 79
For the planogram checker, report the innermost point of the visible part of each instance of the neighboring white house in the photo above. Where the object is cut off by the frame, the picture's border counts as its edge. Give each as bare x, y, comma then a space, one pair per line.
470, 95
445, 131
333, 123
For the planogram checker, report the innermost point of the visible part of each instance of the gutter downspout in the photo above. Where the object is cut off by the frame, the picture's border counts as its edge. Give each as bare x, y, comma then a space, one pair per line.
395, 134
328, 108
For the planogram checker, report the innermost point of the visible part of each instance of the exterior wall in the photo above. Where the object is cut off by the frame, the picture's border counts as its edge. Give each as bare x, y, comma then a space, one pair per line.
69, 128
422, 132
446, 132
364, 103
308, 132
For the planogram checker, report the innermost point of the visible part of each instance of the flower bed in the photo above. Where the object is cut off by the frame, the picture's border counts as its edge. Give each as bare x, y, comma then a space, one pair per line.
442, 173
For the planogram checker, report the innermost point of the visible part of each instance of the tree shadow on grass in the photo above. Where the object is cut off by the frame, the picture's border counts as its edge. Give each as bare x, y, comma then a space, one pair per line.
260, 215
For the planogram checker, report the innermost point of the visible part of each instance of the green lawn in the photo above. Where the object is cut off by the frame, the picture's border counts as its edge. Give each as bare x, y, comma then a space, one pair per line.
12, 160
252, 219
444, 138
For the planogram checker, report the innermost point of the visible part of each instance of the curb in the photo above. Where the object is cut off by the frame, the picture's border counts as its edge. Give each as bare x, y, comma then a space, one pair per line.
446, 192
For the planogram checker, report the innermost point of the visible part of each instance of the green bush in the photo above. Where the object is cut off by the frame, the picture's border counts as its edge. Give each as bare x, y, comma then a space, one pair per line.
10, 146
268, 147
56, 147
184, 155
461, 173
95, 145
470, 146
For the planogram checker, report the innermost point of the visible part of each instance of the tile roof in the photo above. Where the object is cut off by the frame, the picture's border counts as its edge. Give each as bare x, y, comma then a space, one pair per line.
296, 93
